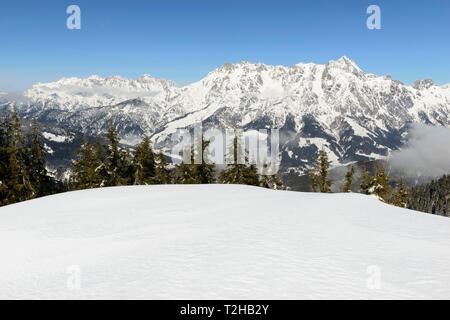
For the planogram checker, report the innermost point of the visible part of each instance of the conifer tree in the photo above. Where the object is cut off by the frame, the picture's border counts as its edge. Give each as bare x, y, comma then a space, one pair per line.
39, 177
86, 168
186, 172
277, 183
366, 182
400, 195
251, 176
144, 161
18, 183
313, 180
380, 186
112, 163
205, 172
127, 168
162, 174
234, 173
319, 175
265, 180
347, 186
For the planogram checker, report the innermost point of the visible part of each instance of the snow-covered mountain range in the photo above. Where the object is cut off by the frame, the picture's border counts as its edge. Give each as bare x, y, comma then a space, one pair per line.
336, 106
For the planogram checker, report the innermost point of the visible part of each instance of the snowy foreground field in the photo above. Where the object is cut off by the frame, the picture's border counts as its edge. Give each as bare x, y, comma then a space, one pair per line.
220, 242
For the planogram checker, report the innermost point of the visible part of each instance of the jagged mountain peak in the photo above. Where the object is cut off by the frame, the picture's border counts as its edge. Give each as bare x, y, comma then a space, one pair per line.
345, 64
345, 60
243, 67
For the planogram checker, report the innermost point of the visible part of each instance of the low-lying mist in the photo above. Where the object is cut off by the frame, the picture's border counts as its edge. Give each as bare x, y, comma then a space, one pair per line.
426, 154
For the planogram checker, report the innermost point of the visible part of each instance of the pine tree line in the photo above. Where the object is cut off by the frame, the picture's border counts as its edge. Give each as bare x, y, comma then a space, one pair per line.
432, 197
98, 165
377, 184
24, 176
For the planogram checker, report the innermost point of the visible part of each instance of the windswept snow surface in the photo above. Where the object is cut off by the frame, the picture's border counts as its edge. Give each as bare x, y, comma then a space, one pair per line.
220, 242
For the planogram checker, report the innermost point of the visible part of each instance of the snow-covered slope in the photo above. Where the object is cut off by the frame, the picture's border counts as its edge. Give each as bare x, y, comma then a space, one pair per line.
192, 242
336, 106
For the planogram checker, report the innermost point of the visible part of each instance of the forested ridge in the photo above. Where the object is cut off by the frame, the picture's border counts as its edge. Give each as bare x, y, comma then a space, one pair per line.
104, 163
432, 197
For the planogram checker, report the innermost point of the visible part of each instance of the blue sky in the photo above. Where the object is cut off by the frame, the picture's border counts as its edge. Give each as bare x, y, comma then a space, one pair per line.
183, 40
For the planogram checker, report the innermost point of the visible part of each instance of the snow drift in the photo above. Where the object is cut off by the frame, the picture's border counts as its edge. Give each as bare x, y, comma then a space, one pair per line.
215, 241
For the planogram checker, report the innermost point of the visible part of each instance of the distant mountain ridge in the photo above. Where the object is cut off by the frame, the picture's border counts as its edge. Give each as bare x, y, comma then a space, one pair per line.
336, 106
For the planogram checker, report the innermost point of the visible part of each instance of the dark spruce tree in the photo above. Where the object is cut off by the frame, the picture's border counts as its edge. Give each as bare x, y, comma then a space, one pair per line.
162, 173
17, 178
237, 172
144, 162
400, 195
42, 183
348, 182
366, 182
185, 172
251, 176
319, 175
380, 186
265, 180
205, 172
127, 168
113, 170
86, 168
